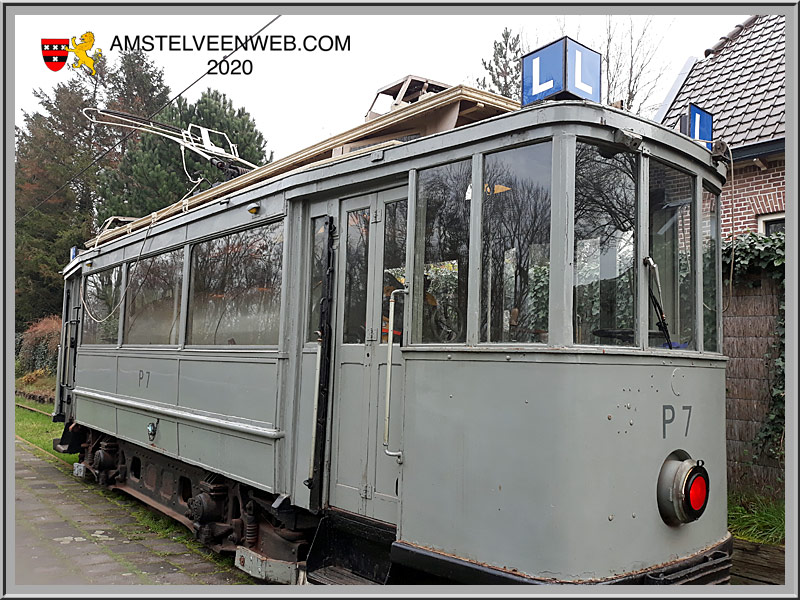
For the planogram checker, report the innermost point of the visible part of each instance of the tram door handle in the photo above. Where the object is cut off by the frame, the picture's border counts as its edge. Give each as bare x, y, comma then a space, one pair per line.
390, 342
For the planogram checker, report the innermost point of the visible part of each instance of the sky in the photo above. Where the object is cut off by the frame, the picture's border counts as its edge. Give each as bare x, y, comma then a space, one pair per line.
298, 98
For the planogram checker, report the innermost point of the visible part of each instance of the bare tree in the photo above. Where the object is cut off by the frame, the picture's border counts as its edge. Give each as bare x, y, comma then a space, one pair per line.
630, 63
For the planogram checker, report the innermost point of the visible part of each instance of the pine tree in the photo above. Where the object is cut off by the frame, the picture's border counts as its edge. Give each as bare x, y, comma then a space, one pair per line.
505, 67
53, 145
135, 87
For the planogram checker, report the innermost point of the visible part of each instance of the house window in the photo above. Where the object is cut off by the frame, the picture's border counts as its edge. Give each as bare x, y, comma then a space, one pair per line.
769, 224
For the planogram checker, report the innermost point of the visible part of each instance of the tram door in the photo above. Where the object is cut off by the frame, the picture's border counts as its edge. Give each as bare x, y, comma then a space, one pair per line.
69, 343
371, 263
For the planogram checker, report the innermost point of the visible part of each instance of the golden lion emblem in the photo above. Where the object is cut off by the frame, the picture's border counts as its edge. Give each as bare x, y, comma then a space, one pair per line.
82, 52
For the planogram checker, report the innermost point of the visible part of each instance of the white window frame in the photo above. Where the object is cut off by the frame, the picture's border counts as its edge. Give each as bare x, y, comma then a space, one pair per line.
764, 219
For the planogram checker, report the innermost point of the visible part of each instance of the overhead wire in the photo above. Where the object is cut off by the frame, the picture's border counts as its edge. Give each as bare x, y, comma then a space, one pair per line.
128, 135
122, 293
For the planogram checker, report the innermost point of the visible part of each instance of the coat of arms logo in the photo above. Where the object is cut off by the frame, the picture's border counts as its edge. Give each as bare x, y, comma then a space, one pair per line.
56, 50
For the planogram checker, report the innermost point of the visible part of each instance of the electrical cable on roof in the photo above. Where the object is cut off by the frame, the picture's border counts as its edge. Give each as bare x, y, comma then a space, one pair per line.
127, 283
132, 269
167, 103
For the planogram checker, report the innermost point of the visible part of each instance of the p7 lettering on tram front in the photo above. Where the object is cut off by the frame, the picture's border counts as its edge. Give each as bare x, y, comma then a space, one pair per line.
668, 417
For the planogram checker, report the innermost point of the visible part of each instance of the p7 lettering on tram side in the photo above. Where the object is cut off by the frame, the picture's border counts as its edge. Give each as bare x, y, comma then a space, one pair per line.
144, 376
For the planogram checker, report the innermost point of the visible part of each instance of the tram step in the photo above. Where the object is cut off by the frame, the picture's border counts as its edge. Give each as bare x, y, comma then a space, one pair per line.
337, 576
351, 547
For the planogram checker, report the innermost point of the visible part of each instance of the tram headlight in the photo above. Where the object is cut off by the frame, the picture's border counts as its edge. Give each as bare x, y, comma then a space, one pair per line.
682, 489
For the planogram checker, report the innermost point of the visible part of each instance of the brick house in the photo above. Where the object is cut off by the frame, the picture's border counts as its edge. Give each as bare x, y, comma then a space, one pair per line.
742, 83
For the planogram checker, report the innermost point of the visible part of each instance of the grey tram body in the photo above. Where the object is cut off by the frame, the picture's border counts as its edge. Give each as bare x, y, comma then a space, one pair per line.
534, 460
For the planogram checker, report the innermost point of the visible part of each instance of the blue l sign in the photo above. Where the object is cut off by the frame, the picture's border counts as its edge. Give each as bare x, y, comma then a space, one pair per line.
562, 69
700, 124
583, 71
543, 73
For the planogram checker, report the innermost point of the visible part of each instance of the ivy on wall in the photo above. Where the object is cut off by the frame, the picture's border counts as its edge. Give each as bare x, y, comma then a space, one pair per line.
753, 253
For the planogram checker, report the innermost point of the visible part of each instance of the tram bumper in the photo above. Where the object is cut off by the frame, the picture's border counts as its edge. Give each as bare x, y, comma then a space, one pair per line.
711, 566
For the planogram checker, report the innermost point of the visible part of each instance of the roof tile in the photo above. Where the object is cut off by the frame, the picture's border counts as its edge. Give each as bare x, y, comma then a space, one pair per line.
742, 83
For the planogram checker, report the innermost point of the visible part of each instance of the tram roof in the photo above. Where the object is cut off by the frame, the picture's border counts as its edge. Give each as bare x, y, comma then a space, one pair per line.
548, 112
443, 111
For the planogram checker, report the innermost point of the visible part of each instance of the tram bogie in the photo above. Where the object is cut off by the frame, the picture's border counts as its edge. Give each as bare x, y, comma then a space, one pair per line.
554, 411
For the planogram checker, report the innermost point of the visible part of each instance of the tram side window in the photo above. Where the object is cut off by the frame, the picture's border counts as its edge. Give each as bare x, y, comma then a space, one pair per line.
442, 230
710, 229
394, 267
670, 245
235, 291
355, 276
101, 295
153, 300
316, 277
604, 292
515, 252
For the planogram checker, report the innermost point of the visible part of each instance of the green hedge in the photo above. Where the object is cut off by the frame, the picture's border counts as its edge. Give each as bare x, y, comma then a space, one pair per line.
38, 347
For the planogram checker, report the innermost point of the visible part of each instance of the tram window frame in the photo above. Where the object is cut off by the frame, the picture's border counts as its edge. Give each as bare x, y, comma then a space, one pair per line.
654, 339
479, 237
119, 309
394, 228
708, 188
355, 238
282, 221
418, 318
312, 313
132, 288
631, 339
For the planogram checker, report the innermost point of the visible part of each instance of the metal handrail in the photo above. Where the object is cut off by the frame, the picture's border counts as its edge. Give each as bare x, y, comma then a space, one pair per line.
398, 454
316, 407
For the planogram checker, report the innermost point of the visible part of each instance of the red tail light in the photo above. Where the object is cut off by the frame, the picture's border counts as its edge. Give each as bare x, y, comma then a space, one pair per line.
695, 490
683, 489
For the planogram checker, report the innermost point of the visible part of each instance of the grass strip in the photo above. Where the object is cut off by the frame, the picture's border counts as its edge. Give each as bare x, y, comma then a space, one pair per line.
43, 406
39, 430
757, 518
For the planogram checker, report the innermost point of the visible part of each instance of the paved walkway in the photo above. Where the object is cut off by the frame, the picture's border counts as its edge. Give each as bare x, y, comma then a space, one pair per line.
68, 532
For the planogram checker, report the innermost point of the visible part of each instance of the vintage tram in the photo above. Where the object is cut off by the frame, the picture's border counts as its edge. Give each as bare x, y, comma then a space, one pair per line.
487, 355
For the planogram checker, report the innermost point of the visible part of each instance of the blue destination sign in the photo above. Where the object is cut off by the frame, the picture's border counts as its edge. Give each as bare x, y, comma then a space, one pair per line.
561, 70
700, 124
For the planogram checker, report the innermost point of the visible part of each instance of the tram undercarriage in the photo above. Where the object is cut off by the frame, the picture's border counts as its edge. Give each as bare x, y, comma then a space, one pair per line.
224, 515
